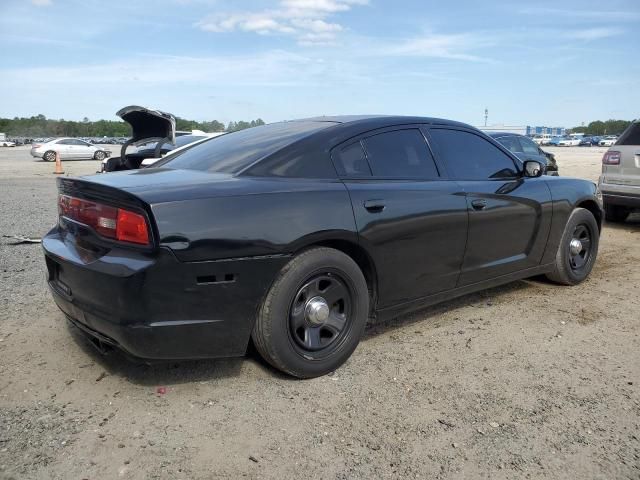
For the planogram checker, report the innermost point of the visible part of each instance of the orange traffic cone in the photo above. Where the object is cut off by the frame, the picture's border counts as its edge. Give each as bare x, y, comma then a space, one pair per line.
58, 170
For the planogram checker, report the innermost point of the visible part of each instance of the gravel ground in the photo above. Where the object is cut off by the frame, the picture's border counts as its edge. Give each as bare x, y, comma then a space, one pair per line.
529, 380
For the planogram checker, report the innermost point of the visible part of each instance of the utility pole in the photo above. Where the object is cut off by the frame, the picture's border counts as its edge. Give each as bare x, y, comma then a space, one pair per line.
486, 115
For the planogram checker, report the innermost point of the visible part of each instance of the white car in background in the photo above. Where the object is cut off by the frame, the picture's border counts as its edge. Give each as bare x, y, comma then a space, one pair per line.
68, 149
542, 139
6, 143
608, 141
569, 142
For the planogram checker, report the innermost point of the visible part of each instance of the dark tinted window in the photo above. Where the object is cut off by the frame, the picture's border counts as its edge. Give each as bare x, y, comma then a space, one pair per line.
471, 157
353, 160
631, 135
65, 142
232, 152
511, 143
400, 153
528, 146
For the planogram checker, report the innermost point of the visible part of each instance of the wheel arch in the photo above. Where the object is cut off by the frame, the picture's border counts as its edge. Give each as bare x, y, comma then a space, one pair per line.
359, 255
594, 208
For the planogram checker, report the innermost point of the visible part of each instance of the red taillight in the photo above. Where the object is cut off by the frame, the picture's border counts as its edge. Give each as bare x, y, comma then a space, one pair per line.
611, 158
116, 223
131, 227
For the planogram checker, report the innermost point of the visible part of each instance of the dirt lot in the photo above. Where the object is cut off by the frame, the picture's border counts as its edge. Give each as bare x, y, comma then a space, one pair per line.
529, 380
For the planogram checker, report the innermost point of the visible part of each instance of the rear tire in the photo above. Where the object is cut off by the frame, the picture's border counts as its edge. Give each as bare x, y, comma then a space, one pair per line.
578, 249
615, 213
49, 156
314, 314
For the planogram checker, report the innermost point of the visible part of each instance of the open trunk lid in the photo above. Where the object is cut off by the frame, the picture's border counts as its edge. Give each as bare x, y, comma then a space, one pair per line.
147, 124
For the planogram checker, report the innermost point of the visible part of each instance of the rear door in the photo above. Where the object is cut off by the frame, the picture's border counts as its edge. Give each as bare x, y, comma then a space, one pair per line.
628, 172
411, 219
509, 215
65, 149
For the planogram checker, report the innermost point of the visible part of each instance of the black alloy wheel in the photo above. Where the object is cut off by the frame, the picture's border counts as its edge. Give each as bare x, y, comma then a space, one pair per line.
580, 247
313, 316
320, 313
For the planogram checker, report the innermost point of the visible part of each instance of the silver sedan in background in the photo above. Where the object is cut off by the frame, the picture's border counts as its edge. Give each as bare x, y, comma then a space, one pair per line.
69, 149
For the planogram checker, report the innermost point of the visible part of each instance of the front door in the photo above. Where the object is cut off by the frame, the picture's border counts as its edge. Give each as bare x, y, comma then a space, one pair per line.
509, 215
411, 220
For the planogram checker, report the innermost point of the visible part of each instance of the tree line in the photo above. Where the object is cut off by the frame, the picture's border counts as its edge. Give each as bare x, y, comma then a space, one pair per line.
40, 126
608, 127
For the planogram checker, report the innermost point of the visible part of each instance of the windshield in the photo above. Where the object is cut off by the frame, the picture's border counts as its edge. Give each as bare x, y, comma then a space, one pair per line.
235, 151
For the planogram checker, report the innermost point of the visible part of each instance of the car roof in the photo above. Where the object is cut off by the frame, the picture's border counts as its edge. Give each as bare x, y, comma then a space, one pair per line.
503, 134
390, 119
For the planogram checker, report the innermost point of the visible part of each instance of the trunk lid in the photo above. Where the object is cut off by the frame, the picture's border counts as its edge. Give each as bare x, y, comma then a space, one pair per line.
148, 124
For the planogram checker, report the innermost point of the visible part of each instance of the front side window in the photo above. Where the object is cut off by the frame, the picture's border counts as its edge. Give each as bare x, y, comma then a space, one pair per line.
470, 157
400, 154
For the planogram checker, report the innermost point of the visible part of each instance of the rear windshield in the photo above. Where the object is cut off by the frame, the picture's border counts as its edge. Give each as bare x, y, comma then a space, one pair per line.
631, 135
235, 151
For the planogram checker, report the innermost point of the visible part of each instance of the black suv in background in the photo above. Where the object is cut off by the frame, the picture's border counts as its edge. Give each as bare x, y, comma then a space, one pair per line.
526, 149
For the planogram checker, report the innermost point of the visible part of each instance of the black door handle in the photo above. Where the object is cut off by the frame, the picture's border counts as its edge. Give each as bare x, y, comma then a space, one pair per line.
479, 204
374, 206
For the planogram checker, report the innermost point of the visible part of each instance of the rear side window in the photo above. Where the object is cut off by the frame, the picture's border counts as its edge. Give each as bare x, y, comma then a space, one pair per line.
511, 143
471, 157
400, 154
232, 152
353, 160
528, 146
631, 136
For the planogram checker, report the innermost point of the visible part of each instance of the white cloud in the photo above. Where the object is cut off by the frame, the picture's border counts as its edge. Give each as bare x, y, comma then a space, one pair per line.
305, 20
597, 33
452, 46
581, 14
41, 3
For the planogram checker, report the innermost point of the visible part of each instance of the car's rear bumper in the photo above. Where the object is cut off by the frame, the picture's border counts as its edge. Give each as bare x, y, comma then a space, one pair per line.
36, 154
155, 307
623, 195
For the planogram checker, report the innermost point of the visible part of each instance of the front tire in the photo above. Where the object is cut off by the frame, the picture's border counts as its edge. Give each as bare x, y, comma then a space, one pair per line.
578, 249
615, 213
314, 314
99, 155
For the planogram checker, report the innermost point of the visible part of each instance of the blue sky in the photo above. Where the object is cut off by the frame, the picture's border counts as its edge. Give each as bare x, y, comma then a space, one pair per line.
544, 63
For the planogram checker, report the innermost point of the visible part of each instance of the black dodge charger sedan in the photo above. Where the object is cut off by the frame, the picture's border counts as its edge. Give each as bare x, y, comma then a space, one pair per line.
293, 234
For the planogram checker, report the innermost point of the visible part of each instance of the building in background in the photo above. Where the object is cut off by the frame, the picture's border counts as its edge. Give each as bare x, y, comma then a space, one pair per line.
525, 130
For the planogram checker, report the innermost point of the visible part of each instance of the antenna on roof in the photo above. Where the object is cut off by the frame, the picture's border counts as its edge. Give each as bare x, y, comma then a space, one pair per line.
486, 115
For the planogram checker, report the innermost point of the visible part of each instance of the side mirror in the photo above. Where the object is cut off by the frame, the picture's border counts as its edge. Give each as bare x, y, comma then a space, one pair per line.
533, 169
